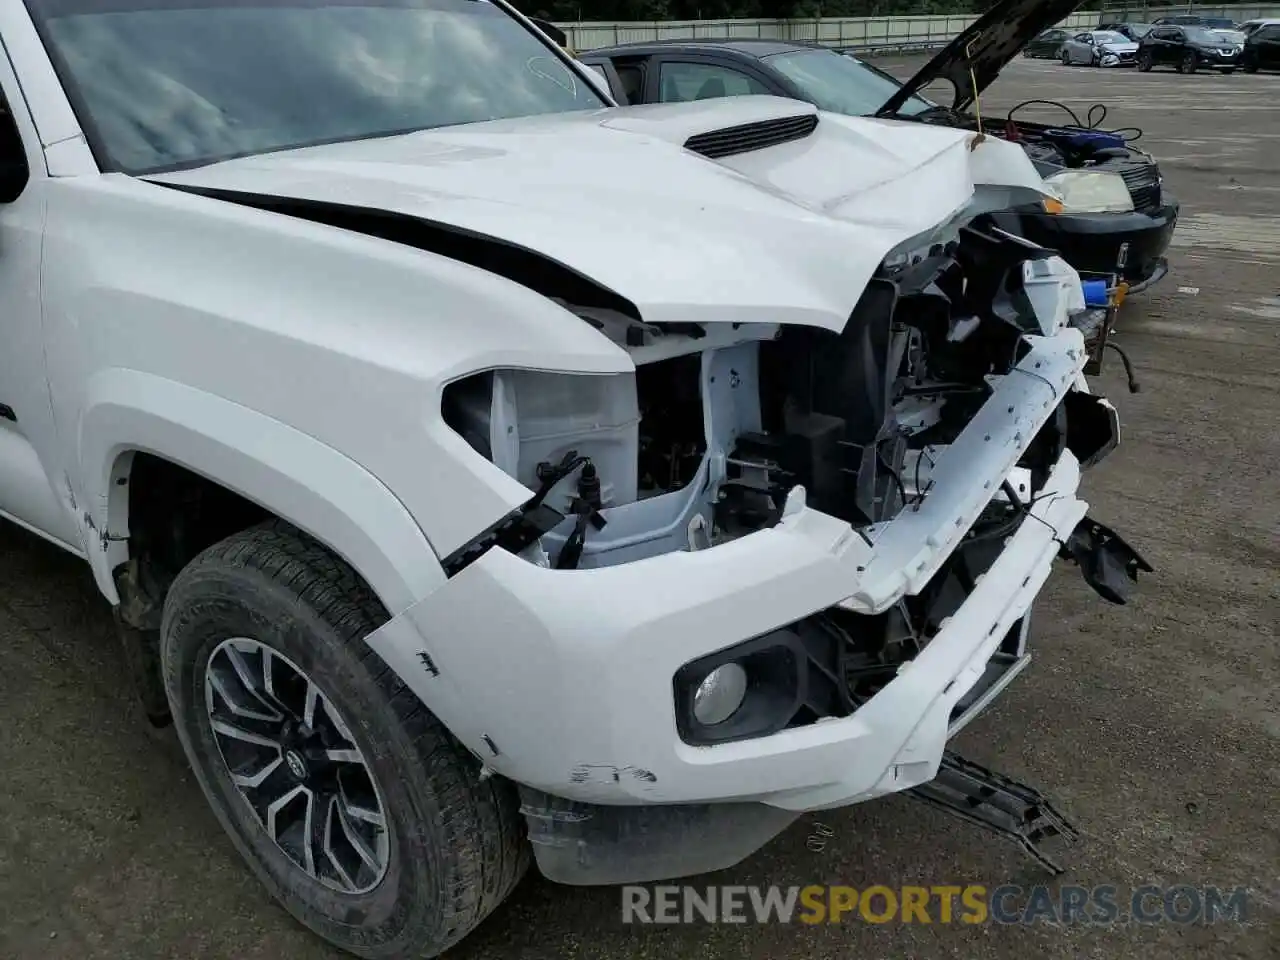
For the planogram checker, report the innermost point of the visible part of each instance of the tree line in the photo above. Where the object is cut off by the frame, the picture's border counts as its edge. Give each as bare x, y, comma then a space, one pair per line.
569, 11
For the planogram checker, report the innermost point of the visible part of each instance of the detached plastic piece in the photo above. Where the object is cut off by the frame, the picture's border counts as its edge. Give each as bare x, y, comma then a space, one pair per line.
1109, 564
1000, 804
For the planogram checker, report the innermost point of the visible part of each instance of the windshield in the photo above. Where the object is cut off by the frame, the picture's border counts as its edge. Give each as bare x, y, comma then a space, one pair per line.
841, 84
1104, 36
160, 84
1219, 23
1202, 35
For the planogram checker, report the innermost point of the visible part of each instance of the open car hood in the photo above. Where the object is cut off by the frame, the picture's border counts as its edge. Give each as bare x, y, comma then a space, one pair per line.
977, 55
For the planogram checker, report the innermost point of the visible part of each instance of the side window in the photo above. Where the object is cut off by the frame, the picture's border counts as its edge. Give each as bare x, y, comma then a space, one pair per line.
1268, 33
681, 82
1178, 35
632, 79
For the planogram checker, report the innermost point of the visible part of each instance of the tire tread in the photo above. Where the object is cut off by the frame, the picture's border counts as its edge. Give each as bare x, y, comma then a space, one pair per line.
479, 817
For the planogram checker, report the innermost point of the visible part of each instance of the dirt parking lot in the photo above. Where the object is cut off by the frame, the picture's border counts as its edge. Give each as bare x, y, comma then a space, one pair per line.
1156, 726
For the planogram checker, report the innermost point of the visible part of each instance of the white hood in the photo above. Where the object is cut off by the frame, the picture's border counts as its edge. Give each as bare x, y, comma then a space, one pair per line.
1126, 46
790, 233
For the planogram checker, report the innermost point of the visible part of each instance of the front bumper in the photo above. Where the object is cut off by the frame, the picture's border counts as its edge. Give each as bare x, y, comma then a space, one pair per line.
1092, 242
562, 680
1126, 59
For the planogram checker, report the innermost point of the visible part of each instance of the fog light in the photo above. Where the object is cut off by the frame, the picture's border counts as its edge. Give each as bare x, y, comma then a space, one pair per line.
720, 694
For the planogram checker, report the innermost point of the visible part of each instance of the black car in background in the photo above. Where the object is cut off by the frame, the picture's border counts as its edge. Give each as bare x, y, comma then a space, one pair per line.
1187, 49
1262, 49
1134, 31
1190, 20
1116, 209
1045, 45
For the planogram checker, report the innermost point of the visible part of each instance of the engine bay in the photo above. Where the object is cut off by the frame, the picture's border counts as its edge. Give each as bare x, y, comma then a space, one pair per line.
716, 428
1080, 144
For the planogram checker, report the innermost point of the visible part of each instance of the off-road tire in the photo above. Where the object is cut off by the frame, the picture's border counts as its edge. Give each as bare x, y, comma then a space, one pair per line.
457, 845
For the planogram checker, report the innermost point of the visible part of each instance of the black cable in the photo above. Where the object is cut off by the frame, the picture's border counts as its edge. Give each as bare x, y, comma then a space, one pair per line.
902, 488
1022, 511
1134, 386
916, 481
1093, 119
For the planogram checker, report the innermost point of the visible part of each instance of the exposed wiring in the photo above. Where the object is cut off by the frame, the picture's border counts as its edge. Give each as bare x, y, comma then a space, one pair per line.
1021, 512
1092, 122
920, 493
897, 478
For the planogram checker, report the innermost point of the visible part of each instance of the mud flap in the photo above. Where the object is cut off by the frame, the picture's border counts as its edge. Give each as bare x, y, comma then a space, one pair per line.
1002, 805
1109, 564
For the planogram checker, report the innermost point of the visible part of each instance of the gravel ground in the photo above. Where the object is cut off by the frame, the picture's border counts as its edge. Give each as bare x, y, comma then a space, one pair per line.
1157, 726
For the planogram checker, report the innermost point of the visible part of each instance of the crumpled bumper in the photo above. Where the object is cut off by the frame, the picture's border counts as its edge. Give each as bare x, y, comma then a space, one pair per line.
563, 680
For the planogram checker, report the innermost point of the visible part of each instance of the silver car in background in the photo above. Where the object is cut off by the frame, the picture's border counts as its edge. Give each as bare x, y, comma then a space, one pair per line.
1100, 48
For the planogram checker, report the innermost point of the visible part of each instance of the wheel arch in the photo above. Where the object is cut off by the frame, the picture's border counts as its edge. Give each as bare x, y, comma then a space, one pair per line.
131, 419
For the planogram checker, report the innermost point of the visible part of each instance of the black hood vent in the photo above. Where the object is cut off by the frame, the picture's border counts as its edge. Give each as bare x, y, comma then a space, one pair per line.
751, 136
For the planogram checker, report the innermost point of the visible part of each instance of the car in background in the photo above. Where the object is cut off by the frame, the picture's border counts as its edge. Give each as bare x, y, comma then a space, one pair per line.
1234, 37
1250, 26
1134, 31
1045, 46
1262, 49
1100, 48
1190, 20
1187, 49
1116, 215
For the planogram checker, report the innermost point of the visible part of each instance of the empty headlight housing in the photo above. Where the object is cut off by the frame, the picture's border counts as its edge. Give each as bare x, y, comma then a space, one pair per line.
1091, 191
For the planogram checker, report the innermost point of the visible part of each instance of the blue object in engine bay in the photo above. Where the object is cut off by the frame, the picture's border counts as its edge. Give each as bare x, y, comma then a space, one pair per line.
1096, 293
1085, 139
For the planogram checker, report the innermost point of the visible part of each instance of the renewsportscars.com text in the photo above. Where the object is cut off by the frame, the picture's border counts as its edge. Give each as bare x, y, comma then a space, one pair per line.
969, 904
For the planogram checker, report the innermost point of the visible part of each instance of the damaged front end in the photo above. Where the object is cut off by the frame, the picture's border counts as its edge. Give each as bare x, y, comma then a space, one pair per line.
774, 570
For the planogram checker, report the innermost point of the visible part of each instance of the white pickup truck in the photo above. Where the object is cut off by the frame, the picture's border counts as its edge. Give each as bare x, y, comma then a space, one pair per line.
482, 472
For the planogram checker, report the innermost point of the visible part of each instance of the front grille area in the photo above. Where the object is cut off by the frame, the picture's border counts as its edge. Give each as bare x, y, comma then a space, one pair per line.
1143, 181
751, 136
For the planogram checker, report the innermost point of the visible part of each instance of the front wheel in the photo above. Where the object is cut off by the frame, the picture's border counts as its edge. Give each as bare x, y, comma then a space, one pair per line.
1066, 59
1145, 62
1249, 68
354, 806
1190, 63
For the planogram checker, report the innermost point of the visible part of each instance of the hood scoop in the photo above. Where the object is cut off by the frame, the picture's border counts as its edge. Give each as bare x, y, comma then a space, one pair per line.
745, 138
